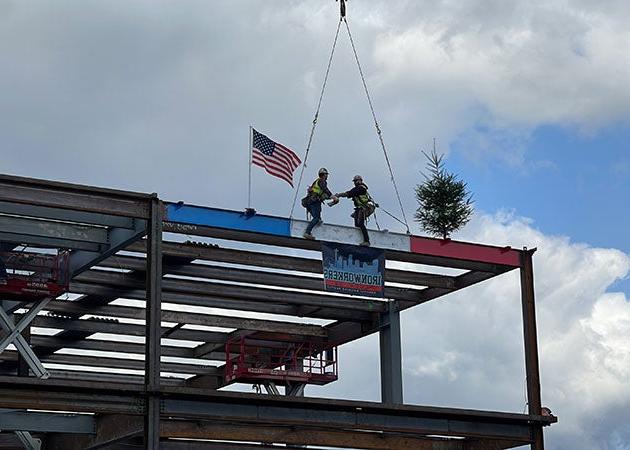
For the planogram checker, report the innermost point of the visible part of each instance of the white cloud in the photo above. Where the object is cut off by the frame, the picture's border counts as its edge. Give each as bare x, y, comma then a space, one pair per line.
466, 349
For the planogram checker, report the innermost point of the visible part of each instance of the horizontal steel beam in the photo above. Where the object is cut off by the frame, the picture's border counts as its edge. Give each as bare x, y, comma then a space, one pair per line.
217, 301
65, 215
70, 375
334, 418
293, 263
232, 406
97, 326
50, 242
344, 438
46, 422
71, 308
236, 291
252, 276
118, 363
115, 346
431, 259
53, 229
74, 197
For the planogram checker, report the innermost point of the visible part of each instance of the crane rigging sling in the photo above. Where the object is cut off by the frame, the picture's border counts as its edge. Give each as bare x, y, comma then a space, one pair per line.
369, 99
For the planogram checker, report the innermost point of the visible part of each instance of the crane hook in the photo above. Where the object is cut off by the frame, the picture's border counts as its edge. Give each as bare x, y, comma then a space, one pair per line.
342, 7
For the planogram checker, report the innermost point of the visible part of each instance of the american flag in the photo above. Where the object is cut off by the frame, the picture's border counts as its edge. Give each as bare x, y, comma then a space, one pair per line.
275, 158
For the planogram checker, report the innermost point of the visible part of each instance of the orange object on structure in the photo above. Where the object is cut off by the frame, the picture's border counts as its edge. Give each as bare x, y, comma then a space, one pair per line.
34, 275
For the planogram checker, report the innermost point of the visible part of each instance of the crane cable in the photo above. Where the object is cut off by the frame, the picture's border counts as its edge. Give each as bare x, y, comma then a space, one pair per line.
376, 124
319, 104
378, 128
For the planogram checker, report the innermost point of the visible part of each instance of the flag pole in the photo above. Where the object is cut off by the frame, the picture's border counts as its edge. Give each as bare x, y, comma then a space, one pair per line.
249, 190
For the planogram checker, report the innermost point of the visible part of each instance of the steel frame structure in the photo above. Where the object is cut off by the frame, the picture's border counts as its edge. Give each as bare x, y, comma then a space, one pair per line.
163, 309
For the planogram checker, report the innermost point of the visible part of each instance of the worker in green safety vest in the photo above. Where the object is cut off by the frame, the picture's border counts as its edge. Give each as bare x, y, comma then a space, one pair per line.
363, 205
316, 194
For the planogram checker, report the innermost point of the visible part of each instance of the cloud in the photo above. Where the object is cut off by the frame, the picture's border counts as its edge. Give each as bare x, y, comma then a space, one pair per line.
466, 349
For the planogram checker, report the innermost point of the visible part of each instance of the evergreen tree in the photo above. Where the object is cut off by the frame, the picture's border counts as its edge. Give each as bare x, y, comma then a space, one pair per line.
445, 205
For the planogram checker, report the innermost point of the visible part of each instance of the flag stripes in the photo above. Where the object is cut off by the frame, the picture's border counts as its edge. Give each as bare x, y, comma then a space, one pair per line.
275, 158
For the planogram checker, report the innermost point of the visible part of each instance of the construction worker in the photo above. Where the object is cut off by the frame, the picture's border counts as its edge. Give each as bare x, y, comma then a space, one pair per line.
316, 194
363, 205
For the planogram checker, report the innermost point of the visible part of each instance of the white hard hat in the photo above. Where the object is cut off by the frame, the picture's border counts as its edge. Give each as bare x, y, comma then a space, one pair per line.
322, 171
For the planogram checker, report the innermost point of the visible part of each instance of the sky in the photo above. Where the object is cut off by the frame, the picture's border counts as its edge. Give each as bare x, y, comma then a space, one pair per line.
528, 101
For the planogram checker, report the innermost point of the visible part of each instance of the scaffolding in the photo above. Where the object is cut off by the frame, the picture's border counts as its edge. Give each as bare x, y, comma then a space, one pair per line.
151, 325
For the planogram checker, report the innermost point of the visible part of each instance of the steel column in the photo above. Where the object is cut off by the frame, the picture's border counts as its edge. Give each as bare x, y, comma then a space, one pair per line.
153, 328
391, 356
531, 344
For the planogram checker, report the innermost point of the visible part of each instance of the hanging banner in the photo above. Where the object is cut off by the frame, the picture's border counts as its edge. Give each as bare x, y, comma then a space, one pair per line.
350, 269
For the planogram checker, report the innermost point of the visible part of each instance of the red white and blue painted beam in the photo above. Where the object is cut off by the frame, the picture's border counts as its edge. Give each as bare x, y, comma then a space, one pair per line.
293, 228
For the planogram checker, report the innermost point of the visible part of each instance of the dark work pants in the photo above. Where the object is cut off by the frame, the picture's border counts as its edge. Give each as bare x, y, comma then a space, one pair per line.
359, 222
315, 210
3, 269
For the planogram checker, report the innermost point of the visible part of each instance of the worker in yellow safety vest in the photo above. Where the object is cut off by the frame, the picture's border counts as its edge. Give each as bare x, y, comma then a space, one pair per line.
363, 205
316, 193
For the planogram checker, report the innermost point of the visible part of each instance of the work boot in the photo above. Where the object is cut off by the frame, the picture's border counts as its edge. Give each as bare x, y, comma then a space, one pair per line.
308, 236
365, 243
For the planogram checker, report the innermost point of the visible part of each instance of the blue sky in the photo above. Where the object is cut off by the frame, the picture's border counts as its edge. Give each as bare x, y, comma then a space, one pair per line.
569, 183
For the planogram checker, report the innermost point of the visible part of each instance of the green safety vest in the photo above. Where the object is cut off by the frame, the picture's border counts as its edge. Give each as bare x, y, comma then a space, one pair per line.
316, 191
362, 201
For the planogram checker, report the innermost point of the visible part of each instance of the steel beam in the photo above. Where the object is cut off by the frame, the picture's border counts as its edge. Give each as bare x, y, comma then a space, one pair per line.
117, 239
72, 196
65, 215
274, 411
298, 436
109, 430
120, 363
255, 276
391, 356
462, 258
238, 292
293, 263
72, 375
112, 327
28, 441
49, 242
64, 231
153, 328
42, 422
268, 306
531, 344
48, 342
334, 418
211, 320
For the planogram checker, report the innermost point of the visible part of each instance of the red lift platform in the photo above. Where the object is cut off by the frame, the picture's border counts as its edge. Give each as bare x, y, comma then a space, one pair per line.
250, 360
31, 276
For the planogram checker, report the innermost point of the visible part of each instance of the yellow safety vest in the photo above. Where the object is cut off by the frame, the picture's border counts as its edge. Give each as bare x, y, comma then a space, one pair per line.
316, 191
362, 201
